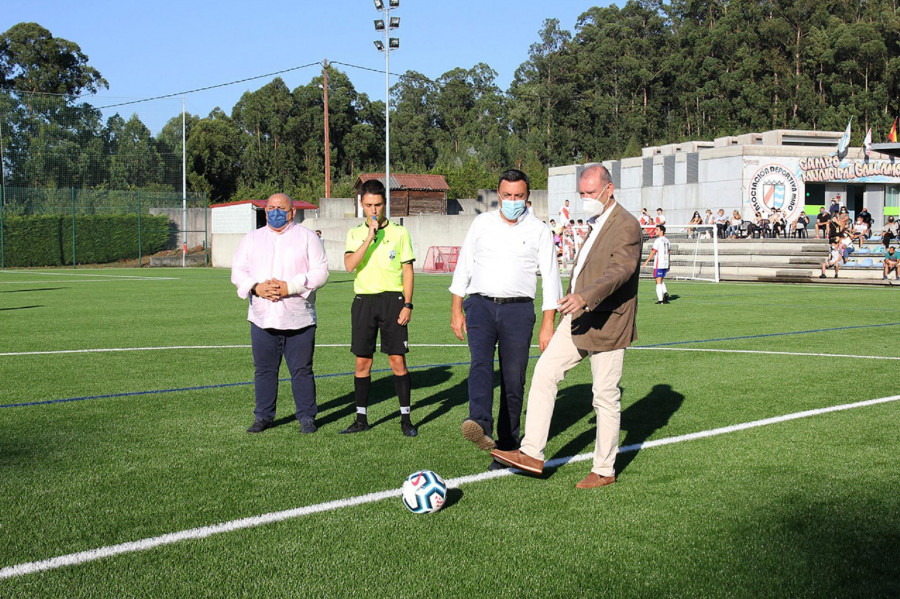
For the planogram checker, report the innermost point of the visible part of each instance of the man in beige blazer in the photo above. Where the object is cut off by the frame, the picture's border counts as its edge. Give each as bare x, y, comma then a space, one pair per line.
598, 322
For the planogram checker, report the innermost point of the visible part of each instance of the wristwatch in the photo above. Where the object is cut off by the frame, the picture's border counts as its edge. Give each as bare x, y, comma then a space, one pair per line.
408, 305
253, 290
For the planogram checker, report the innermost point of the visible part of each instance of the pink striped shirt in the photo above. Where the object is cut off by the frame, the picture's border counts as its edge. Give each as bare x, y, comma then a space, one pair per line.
295, 255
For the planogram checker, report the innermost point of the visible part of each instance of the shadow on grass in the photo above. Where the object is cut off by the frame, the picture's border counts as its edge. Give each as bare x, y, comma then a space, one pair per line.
30, 290
640, 420
454, 496
381, 389
21, 308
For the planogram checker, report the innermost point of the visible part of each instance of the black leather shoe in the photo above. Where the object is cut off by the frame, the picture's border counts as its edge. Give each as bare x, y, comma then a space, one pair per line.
308, 426
259, 426
408, 429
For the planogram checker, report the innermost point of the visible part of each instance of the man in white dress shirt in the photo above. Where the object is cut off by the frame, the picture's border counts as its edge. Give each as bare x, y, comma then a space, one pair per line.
502, 254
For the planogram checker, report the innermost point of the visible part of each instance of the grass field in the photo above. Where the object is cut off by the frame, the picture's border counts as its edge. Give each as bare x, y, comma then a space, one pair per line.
152, 443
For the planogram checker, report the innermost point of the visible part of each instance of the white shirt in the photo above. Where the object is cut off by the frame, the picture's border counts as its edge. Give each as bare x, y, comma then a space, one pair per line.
596, 224
499, 259
661, 259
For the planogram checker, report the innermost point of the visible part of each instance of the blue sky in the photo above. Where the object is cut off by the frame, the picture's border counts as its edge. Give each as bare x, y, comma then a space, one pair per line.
156, 48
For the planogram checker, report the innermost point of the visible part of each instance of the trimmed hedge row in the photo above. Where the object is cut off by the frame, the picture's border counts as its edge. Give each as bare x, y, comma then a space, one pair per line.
99, 238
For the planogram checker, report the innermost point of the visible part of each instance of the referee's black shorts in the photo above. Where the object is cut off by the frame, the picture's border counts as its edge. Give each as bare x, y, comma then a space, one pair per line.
375, 312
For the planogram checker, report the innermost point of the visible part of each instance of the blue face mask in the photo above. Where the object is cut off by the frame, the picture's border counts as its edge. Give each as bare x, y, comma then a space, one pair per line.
277, 218
512, 209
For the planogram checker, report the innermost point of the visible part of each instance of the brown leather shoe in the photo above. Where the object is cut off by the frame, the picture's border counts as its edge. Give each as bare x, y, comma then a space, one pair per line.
594, 480
519, 460
472, 431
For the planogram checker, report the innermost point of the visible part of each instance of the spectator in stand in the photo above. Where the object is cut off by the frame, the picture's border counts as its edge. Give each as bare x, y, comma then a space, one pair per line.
529, 208
842, 221
867, 218
833, 260
777, 222
721, 223
834, 208
734, 225
660, 217
798, 227
891, 260
646, 222
890, 231
822, 221
846, 244
756, 226
859, 231
659, 220
695, 220
553, 226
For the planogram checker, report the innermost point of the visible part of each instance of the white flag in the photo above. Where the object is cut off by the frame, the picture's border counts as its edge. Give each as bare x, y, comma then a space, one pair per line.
867, 144
844, 144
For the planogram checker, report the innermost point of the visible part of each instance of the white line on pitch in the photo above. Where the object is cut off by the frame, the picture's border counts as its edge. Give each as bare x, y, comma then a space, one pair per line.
254, 521
171, 347
93, 274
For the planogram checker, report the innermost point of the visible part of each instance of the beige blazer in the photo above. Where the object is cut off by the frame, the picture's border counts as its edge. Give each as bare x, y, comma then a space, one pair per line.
608, 282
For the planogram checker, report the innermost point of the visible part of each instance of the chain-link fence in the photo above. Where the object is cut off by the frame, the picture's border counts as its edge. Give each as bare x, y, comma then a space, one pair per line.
71, 227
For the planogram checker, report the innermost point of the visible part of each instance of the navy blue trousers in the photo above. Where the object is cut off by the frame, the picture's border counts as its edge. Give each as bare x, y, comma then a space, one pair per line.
297, 348
507, 328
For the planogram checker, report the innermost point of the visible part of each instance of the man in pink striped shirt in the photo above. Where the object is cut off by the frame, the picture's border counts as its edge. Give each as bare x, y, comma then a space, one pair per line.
279, 267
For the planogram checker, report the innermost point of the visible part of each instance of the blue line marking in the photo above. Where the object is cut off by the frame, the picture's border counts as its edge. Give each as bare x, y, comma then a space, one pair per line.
203, 387
327, 376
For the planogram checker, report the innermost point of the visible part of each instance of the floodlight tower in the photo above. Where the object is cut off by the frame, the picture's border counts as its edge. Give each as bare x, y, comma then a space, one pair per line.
390, 43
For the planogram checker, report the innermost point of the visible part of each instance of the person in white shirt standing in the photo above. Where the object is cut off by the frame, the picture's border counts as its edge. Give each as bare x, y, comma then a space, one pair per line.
659, 253
496, 273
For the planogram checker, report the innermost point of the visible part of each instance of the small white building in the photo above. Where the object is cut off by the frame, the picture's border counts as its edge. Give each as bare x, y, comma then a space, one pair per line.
788, 169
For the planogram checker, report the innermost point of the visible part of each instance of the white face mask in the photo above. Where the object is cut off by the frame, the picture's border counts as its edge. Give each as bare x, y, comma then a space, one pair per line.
593, 206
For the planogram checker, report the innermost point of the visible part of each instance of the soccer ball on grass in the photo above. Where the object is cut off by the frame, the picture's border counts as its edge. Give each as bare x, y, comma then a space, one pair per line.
424, 492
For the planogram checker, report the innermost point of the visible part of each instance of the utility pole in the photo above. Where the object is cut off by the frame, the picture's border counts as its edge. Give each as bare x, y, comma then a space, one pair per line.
327, 142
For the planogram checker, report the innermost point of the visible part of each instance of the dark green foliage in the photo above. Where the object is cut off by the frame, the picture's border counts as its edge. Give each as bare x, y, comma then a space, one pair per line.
99, 239
644, 73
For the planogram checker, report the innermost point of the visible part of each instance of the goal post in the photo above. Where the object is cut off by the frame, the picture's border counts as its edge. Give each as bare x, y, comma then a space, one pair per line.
693, 252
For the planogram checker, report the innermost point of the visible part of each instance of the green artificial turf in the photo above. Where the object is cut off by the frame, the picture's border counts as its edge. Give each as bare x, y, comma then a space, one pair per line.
154, 443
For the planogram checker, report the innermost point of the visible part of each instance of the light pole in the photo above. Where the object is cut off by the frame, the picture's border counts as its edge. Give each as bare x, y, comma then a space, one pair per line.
389, 43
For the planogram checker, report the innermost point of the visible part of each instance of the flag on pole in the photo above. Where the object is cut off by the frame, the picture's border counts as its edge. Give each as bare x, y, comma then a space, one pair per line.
867, 144
892, 136
844, 144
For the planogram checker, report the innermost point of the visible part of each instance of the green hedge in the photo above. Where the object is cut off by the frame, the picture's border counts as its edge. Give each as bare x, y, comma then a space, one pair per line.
47, 240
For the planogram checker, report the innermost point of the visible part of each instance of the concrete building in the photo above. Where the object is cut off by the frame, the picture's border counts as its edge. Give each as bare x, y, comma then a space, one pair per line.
756, 172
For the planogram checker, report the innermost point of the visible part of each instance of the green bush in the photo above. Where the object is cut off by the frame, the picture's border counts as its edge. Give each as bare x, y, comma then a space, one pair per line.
99, 238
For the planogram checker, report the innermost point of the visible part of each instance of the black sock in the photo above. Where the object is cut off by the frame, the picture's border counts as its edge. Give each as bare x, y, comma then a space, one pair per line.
402, 385
361, 386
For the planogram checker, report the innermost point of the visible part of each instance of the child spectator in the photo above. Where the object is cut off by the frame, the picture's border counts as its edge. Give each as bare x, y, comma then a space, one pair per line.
833, 260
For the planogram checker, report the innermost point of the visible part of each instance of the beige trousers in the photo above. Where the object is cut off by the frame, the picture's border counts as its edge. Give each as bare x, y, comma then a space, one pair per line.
560, 357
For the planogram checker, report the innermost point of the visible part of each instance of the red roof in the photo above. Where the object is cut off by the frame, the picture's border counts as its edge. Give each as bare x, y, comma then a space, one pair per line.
404, 181
298, 205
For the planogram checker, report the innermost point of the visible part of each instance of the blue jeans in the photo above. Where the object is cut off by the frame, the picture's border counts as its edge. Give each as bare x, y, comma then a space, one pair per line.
297, 348
507, 327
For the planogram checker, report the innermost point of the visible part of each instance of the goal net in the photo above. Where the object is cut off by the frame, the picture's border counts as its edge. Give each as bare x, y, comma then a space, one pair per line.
441, 258
693, 252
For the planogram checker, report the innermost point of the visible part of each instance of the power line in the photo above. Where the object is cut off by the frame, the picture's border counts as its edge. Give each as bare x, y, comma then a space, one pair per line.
208, 87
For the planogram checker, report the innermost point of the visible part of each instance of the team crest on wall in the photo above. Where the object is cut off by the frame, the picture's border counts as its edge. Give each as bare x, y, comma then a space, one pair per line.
774, 186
